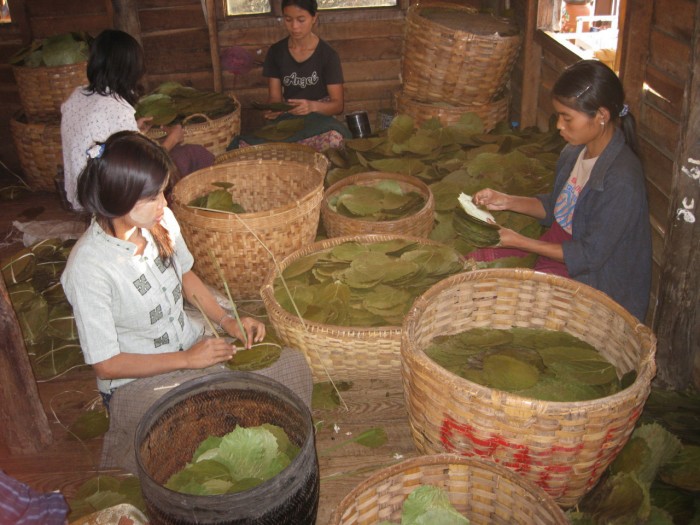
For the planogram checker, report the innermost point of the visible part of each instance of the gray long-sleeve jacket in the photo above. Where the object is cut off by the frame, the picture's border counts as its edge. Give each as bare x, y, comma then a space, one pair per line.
610, 248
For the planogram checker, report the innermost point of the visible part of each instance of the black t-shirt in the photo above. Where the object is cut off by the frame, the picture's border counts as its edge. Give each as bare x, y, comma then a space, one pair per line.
307, 79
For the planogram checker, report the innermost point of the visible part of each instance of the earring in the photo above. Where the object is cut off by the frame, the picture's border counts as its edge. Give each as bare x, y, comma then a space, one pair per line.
602, 123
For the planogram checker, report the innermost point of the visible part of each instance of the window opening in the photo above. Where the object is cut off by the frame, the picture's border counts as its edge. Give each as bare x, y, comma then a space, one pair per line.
5, 17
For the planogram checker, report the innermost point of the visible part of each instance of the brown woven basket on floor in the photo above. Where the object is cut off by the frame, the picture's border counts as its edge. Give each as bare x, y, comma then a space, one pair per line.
42, 90
420, 224
278, 151
343, 352
282, 200
491, 113
482, 491
563, 446
213, 134
442, 64
38, 147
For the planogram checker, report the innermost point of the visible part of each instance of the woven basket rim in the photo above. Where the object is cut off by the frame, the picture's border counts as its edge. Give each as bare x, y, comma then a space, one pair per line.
376, 176
647, 365
413, 15
403, 98
268, 296
225, 217
225, 157
82, 63
447, 459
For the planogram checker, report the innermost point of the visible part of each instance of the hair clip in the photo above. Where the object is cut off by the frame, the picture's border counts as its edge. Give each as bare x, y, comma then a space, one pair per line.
625, 109
95, 151
582, 91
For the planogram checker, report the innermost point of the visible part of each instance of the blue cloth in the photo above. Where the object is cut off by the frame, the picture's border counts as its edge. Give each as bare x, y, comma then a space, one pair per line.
610, 248
20, 505
314, 124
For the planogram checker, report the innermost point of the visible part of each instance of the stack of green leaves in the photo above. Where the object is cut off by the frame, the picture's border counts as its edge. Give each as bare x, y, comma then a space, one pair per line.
364, 284
237, 461
102, 492
429, 505
172, 102
32, 276
280, 130
654, 480
459, 158
56, 50
261, 355
542, 364
217, 200
384, 200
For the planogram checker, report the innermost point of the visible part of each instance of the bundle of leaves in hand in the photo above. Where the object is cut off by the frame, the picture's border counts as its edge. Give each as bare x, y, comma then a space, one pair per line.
217, 200
56, 50
537, 363
280, 130
45, 316
261, 355
171, 103
429, 505
237, 461
384, 200
364, 284
477, 226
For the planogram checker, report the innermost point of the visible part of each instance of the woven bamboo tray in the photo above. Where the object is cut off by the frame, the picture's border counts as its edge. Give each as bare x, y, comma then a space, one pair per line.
213, 134
563, 447
38, 147
278, 151
441, 64
283, 201
491, 113
343, 352
420, 224
42, 90
484, 492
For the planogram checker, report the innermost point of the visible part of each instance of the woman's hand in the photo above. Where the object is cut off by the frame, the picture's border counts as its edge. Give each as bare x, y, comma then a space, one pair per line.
492, 199
209, 351
254, 329
272, 115
144, 124
175, 135
301, 106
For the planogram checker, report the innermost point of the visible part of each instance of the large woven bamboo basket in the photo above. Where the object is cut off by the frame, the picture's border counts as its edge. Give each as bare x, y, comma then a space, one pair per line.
278, 151
42, 90
441, 64
282, 200
482, 491
420, 224
343, 352
38, 147
213, 134
491, 113
562, 446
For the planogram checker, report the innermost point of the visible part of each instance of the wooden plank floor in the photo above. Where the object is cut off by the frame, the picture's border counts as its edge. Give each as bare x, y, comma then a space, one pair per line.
67, 463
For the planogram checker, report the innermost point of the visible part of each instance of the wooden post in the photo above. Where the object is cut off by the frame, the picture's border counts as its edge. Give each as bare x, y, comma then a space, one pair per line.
677, 324
214, 44
126, 17
635, 49
532, 61
23, 423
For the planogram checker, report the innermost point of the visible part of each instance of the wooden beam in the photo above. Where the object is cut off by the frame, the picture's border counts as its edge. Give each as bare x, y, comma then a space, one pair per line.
677, 325
126, 17
532, 59
214, 45
18, 12
23, 423
635, 50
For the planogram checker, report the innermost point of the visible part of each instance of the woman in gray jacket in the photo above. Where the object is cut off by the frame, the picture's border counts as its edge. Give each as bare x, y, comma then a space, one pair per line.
597, 214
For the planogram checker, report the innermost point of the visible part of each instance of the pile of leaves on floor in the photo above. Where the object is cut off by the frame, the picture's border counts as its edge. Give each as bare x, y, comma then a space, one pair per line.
171, 103
240, 460
32, 276
656, 477
543, 364
56, 50
455, 159
363, 284
381, 200
102, 492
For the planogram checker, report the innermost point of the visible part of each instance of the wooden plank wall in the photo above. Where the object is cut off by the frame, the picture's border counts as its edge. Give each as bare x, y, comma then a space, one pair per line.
368, 42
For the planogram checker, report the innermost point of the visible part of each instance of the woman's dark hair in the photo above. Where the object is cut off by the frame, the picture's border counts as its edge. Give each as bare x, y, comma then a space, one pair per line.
128, 167
589, 85
307, 5
115, 65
